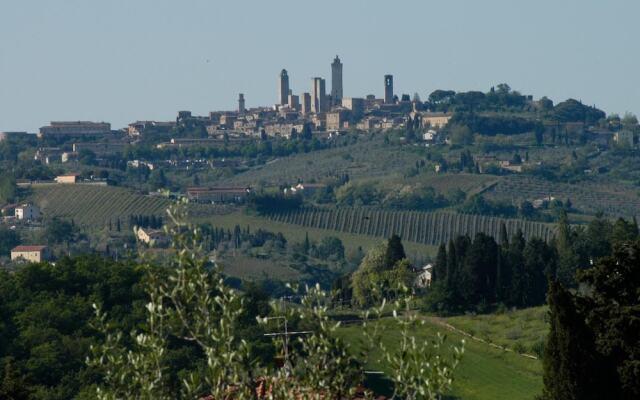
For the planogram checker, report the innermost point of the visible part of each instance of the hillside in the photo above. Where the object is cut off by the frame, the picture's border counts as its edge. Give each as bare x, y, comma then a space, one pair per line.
365, 157
94, 206
485, 373
295, 232
613, 198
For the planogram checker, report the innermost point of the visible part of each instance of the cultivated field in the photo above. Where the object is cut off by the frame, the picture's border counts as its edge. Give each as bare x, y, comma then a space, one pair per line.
251, 268
367, 157
296, 233
95, 206
419, 227
613, 199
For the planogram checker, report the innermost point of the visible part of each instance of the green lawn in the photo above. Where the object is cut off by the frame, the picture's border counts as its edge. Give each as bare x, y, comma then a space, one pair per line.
485, 373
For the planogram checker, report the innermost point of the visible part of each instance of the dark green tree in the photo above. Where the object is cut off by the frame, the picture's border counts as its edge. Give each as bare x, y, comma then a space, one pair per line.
14, 385
515, 260
479, 272
539, 263
439, 271
612, 308
395, 251
571, 365
8, 239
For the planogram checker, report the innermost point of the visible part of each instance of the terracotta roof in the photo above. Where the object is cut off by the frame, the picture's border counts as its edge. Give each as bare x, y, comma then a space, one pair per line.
28, 248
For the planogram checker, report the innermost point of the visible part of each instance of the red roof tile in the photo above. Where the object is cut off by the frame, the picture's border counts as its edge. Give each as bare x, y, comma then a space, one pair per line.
28, 248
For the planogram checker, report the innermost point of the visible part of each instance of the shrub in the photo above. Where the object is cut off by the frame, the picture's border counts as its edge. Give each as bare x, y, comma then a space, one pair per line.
537, 348
519, 348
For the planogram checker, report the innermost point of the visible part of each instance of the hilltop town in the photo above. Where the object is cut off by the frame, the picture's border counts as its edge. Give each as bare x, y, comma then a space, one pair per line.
319, 201
511, 155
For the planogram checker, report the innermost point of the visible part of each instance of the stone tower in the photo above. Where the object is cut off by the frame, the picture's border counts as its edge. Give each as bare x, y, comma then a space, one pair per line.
283, 93
388, 89
241, 108
305, 103
318, 96
336, 82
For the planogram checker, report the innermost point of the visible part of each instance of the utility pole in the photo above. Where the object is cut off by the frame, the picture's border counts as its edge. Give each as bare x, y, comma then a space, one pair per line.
286, 334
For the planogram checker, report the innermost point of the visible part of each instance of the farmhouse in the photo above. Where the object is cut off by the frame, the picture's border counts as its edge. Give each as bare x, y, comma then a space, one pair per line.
218, 194
30, 253
67, 178
423, 280
435, 120
152, 236
27, 212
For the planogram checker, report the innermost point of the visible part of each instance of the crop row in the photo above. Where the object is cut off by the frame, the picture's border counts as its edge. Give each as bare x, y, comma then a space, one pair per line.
589, 197
96, 205
420, 227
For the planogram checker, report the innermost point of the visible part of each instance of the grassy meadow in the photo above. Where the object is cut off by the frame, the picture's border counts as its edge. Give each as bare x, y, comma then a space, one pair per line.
519, 330
485, 373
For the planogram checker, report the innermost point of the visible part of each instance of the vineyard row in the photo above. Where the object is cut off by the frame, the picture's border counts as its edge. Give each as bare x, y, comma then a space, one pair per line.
419, 227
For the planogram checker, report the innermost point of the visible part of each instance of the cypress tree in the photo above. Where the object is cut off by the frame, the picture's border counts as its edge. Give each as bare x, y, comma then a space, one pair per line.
439, 271
515, 260
452, 263
307, 244
395, 251
568, 260
504, 238
571, 364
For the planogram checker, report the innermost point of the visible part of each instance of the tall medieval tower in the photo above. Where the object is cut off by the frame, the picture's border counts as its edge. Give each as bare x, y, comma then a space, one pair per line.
283, 88
336, 82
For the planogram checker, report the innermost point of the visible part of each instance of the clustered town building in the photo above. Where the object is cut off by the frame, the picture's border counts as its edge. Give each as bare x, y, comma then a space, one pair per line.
319, 110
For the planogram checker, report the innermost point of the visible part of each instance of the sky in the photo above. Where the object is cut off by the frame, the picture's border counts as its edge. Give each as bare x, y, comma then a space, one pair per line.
124, 60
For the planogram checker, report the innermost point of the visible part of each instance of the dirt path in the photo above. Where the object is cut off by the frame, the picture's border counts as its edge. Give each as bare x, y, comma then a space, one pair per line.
441, 322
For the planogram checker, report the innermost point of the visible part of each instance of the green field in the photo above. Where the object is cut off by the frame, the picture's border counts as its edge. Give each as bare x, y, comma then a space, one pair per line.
521, 330
485, 373
250, 268
94, 206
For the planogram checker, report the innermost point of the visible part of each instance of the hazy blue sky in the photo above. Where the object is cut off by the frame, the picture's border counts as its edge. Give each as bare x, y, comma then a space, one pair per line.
122, 60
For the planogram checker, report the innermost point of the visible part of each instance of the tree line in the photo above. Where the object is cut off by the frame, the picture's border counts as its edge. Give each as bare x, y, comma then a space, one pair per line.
477, 274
